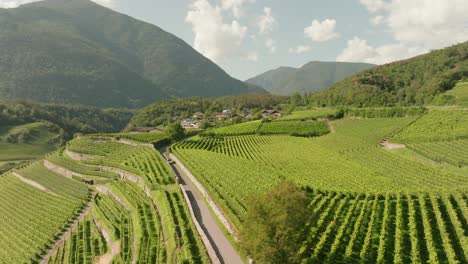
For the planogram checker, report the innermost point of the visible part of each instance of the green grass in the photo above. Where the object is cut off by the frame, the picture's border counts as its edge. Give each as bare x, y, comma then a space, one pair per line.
34, 148
460, 92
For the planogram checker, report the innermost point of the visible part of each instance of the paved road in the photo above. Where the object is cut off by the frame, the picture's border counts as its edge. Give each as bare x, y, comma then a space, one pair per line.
224, 250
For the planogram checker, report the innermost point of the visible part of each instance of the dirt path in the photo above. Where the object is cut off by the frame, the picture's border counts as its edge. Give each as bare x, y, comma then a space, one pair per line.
388, 145
331, 127
61, 170
33, 183
224, 251
114, 246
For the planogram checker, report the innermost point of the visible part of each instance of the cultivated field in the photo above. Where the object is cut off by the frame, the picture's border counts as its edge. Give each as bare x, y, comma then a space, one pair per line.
369, 204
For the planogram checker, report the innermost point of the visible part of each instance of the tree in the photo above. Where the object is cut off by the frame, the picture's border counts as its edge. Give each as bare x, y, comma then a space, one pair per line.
274, 225
175, 131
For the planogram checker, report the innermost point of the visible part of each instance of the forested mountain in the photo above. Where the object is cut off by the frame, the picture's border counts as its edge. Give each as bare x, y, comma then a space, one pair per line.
68, 119
413, 81
312, 77
75, 51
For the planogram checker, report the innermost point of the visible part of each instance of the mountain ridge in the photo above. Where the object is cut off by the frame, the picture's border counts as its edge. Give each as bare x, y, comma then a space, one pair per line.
78, 52
311, 77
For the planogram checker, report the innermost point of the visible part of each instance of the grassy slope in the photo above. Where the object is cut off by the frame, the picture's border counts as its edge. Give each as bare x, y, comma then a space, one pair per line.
12, 154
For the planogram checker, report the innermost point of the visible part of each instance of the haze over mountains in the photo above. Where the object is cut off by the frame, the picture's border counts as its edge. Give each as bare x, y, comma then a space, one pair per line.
312, 77
77, 52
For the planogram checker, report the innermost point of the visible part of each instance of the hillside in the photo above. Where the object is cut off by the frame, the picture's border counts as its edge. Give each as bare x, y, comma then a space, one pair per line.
409, 82
75, 51
312, 77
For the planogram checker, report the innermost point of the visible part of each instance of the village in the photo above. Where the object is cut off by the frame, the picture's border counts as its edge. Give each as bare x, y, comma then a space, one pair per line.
198, 119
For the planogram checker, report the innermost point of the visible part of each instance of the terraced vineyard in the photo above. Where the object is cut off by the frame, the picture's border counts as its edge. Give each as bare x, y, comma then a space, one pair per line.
138, 214
150, 137
32, 218
369, 205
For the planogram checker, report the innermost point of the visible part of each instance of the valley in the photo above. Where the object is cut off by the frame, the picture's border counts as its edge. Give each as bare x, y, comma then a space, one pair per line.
122, 143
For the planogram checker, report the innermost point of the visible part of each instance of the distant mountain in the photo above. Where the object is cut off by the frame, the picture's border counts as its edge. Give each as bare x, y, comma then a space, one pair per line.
414, 81
312, 77
75, 51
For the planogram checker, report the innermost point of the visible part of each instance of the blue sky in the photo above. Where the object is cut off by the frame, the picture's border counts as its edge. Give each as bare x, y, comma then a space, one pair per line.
248, 37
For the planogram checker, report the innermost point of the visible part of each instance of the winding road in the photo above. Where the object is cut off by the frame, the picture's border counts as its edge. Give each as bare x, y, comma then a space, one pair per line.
221, 245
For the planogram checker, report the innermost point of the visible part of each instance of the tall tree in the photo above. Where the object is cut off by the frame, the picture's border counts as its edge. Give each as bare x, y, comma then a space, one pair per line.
274, 224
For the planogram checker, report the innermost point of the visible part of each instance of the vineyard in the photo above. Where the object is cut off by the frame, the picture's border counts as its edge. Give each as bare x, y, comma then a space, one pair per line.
32, 218
311, 114
138, 214
147, 137
368, 204
435, 126
277, 127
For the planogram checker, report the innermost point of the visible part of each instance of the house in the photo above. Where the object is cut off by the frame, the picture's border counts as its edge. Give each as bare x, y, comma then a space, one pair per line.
190, 123
271, 114
220, 116
198, 116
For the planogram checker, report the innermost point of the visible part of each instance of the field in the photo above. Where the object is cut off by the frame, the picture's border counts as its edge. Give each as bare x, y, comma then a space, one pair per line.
138, 213
246, 128
277, 127
295, 128
35, 146
437, 125
310, 114
149, 137
369, 204
458, 96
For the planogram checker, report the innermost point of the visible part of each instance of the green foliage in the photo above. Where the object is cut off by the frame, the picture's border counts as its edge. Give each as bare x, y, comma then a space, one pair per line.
247, 128
77, 52
276, 222
162, 112
384, 112
175, 131
410, 82
457, 96
305, 129
63, 119
312, 77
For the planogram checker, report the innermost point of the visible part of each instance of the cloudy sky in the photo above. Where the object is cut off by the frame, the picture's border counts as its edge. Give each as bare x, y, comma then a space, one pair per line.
248, 37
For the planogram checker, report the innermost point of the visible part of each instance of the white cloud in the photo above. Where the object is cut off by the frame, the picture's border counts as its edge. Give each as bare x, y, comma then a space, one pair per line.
214, 38
321, 31
416, 26
16, 3
271, 45
235, 6
374, 5
358, 50
299, 49
377, 20
266, 22
251, 56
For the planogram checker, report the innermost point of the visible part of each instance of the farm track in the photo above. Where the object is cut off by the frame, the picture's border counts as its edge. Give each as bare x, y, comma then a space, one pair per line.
223, 248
